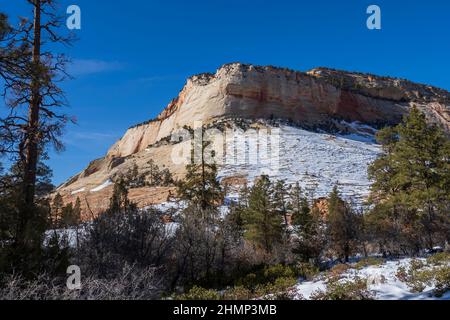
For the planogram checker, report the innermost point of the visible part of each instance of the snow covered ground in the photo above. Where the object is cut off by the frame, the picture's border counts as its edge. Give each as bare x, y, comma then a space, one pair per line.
318, 161
382, 281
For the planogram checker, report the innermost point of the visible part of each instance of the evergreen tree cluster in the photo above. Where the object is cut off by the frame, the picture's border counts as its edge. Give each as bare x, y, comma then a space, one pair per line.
151, 176
277, 215
411, 190
65, 215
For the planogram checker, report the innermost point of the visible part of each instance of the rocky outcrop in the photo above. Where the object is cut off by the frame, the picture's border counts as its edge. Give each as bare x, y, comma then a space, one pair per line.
321, 98
310, 99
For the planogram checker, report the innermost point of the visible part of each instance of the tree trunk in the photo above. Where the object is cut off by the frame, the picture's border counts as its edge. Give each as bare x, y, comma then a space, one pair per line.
31, 151
31, 148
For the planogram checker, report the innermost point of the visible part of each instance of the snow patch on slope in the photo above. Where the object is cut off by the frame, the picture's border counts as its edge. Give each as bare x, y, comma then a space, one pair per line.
78, 191
318, 161
106, 184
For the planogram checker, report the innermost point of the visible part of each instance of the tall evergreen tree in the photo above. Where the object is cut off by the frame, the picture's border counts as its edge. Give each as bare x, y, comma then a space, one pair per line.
280, 201
342, 226
262, 223
311, 240
57, 210
411, 189
31, 71
301, 213
119, 202
201, 187
71, 214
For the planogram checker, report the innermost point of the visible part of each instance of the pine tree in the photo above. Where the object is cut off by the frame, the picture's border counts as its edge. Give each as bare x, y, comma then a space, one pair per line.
166, 178
77, 211
300, 210
342, 226
119, 202
311, 240
280, 201
411, 190
201, 187
71, 214
31, 71
262, 223
57, 210
153, 174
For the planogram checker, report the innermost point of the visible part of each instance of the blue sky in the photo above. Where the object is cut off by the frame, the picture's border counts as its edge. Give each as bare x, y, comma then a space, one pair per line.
133, 56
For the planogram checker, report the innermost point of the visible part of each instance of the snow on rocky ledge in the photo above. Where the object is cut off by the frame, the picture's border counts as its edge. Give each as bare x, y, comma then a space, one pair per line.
106, 184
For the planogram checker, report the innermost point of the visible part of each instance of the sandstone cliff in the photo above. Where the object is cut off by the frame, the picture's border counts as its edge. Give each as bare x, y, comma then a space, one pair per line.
320, 98
310, 99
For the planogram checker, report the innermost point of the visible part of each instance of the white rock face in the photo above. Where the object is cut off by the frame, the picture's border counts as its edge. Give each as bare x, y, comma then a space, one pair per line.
246, 91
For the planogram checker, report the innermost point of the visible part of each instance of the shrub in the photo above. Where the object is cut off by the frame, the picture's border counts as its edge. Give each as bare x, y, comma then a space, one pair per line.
198, 293
416, 264
265, 276
336, 289
277, 290
414, 278
417, 277
439, 259
366, 262
115, 239
338, 270
249, 281
306, 270
402, 274
442, 281
418, 280
131, 283
238, 293
273, 273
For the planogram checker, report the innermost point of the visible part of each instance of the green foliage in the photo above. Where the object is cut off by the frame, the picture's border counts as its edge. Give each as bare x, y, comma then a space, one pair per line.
419, 275
366, 262
262, 224
119, 201
311, 242
266, 275
280, 201
71, 214
338, 270
64, 216
279, 289
22, 231
343, 226
309, 227
301, 213
198, 293
269, 282
238, 293
57, 208
151, 176
411, 189
306, 270
439, 259
273, 273
442, 281
337, 289
200, 186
